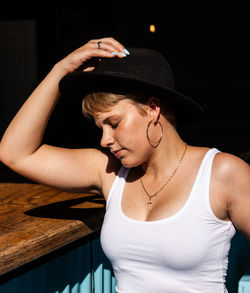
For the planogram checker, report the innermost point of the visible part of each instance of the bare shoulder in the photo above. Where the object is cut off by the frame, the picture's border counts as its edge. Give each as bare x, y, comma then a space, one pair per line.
230, 168
233, 179
229, 172
232, 175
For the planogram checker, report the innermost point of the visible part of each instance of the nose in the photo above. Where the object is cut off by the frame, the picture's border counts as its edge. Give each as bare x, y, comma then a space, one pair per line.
107, 138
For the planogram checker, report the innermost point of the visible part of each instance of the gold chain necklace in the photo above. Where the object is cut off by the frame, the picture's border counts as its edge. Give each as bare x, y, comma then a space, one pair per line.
150, 196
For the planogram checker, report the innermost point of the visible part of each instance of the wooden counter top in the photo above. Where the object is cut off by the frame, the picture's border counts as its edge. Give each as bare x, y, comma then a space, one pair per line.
35, 220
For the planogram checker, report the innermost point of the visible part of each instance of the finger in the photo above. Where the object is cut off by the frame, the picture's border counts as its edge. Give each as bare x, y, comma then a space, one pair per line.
112, 45
89, 69
99, 53
91, 49
115, 43
82, 55
111, 48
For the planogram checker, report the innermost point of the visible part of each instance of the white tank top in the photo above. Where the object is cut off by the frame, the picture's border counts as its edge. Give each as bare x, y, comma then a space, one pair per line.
186, 252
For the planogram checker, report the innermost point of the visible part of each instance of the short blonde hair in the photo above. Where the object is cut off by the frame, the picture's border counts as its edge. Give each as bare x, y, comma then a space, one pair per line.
98, 102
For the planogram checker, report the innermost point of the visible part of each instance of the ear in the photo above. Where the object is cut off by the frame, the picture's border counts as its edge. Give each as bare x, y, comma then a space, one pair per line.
154, 109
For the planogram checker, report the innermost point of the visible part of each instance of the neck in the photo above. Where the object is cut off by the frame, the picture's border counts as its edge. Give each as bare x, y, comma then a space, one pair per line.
166, 156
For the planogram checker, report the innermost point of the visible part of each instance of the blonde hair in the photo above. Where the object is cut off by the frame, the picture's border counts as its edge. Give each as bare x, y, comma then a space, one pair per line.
98, 102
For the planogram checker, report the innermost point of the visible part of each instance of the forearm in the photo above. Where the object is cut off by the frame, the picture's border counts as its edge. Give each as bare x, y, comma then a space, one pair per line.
24, 134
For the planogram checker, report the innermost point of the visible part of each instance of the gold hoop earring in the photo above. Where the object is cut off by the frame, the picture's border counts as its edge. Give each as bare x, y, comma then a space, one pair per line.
154, 144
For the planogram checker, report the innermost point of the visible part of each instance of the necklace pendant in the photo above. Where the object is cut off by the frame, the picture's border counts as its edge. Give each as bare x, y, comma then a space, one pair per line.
149, 204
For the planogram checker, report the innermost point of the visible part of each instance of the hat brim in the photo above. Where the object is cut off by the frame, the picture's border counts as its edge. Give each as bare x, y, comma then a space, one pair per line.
78, 84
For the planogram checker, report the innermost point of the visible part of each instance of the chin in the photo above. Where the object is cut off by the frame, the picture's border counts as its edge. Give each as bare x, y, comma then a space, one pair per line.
129, 163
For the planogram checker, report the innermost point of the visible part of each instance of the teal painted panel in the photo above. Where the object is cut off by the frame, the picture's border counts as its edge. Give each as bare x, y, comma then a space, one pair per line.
103, 276
69, 273
82, 270
97, 262
107, 284
239, 261
244, 283
113, 285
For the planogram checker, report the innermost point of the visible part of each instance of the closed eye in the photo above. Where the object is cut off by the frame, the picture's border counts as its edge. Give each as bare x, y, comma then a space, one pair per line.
115, 125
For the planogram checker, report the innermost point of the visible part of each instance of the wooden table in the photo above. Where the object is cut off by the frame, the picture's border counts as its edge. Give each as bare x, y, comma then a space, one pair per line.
35, 220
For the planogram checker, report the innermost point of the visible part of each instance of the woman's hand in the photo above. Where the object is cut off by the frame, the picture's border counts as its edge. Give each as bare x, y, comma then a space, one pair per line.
105, 47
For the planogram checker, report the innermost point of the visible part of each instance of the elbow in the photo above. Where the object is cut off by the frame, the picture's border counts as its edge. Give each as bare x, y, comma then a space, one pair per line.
5, 156
1, 153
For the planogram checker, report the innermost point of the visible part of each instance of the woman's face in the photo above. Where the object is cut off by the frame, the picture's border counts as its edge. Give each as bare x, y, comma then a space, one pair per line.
124, 132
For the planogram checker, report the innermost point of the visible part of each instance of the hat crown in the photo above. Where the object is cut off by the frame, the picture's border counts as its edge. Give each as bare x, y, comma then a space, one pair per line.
144, 71
142, 64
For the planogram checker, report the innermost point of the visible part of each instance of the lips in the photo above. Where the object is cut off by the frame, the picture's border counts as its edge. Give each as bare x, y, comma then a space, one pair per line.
117, 153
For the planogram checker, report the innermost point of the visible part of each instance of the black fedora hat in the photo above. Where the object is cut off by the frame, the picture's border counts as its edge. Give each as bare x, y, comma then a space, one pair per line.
144, 71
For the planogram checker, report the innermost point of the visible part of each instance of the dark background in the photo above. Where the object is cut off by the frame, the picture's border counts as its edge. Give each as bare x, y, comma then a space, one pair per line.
206, 43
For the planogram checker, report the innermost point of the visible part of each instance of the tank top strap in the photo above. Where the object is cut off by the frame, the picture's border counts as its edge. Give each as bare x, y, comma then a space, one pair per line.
118, 184
201, 186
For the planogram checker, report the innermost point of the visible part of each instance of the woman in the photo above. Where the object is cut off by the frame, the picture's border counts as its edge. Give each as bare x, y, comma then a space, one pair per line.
171, 208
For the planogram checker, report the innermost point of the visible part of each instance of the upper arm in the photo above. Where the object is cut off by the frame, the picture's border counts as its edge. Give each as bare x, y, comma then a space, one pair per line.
67, 169
234, 174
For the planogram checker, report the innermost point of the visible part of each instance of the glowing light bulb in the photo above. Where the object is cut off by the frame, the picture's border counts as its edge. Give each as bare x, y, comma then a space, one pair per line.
152, 28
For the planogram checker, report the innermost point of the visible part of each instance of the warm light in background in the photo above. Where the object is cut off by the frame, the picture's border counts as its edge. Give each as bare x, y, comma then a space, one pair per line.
152, 28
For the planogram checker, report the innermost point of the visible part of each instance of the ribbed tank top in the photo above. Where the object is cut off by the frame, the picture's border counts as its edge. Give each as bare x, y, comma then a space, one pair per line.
186, 252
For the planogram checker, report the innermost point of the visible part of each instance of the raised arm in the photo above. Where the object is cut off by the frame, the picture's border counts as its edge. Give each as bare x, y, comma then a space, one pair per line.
20, 147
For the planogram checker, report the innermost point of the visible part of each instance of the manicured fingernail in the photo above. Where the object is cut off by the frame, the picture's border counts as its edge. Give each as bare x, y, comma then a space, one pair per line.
124, 55
114, 53
126, 51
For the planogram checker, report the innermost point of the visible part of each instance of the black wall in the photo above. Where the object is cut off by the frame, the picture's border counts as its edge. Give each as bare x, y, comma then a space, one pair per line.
206, 42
